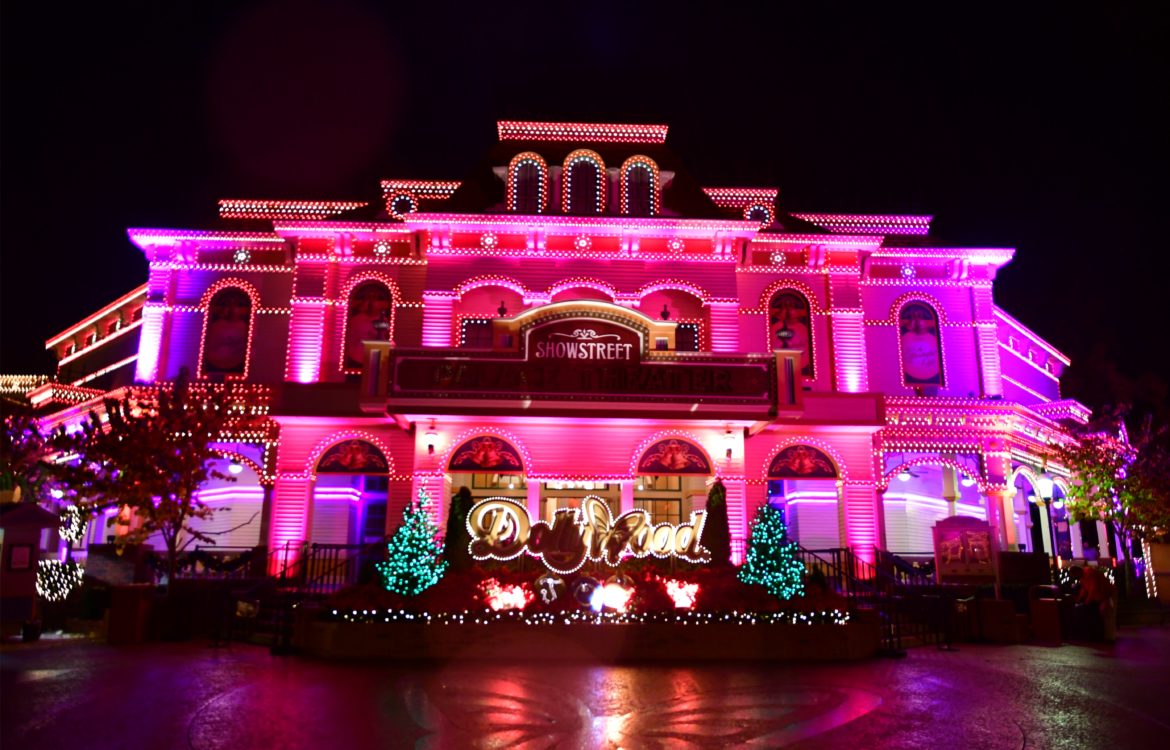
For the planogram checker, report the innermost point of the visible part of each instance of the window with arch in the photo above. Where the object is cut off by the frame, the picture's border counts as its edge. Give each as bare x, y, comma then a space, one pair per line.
583, 183
920, 345
790, 326
527, 183
227, 332
369, 317
639, 186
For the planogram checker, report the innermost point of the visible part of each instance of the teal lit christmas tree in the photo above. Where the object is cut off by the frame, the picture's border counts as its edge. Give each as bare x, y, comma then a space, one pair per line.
414, 560
771, 560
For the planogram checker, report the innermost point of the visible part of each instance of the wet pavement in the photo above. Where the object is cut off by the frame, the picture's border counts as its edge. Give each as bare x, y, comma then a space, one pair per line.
80, 693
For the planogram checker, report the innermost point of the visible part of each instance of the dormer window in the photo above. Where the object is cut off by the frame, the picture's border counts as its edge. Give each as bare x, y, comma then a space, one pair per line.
527, 183
583, 183
639, 187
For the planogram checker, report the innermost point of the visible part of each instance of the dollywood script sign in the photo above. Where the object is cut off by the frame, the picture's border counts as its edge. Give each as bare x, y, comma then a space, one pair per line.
501, 529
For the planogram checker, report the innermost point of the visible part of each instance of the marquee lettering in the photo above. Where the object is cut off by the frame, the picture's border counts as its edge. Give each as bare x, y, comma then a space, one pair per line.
501, 529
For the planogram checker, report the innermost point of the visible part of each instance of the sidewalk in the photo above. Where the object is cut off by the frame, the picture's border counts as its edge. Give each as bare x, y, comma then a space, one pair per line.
59, 693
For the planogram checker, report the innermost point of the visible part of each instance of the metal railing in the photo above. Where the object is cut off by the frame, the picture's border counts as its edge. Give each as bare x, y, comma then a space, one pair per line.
909, 606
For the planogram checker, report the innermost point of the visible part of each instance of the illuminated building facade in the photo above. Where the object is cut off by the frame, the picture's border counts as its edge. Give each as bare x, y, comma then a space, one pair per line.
578, 317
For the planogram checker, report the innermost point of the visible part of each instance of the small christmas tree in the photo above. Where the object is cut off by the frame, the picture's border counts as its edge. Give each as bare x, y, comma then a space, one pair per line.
414, 559
771, 561
456, 541
716, 530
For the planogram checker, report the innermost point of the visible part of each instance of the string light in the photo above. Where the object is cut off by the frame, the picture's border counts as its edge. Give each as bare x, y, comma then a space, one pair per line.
57, 579
588, 617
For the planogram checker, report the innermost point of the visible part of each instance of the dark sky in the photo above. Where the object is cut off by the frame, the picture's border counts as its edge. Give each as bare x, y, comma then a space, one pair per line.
1042, 127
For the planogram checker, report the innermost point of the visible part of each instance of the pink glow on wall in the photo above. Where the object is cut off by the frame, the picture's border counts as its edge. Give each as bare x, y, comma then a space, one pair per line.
438, 311
848, 332
737, 517
862, 525
352, 494
724, 326
305, 341
290, 507
150, 343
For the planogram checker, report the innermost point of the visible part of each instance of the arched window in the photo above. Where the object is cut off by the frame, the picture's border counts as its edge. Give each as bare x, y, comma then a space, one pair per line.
369, 317
639, 184
527, 183
790, 326
920, 345
227, 331
583, 183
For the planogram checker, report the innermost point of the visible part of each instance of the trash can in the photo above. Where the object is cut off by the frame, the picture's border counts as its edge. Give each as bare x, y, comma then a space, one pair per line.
1044, 611
129, 613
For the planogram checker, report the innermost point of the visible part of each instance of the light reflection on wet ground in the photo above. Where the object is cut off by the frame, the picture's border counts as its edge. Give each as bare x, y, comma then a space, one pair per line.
194, 696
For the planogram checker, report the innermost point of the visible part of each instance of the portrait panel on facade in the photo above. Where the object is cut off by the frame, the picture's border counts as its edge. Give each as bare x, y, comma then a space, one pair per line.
921, 347
225, 339
368, 303
790, 327
802, 462
353, 457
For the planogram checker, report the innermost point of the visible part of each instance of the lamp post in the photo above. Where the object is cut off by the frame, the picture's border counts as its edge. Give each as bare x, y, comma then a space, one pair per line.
1044, 486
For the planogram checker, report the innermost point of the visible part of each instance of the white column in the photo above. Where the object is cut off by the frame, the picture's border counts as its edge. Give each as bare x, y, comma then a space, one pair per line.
627, 500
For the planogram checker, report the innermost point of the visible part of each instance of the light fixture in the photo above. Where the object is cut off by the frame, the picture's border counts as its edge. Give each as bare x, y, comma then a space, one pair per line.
966, 481
728, 441
1058, 503
56, 493
904, 475
1044, 486
502, 310
1031, 498
432, 438
235, 467
665, 314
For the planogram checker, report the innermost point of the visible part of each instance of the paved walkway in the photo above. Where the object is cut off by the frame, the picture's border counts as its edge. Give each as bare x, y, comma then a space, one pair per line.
71, 693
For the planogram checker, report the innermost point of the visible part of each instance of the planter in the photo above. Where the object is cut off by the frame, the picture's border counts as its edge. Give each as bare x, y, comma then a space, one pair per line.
716, 642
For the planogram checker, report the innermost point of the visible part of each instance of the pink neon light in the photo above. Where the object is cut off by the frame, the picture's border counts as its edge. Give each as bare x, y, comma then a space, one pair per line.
233, 208
579, 131
732, 197
870, 223
422, 188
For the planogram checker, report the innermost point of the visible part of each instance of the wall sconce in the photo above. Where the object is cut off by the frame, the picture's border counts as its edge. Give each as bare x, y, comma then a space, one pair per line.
966, 481
432, 438
728, 441
235, 467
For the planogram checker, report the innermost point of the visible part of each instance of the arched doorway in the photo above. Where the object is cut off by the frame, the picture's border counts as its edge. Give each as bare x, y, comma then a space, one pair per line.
350, 494
489, 466
921, 490
803, 485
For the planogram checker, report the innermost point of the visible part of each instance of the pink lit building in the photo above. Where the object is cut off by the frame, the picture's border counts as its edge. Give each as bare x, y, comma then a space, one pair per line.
578, 316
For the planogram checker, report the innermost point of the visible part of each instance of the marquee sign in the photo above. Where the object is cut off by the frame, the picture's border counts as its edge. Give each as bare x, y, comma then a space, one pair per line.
584, 340
501, 529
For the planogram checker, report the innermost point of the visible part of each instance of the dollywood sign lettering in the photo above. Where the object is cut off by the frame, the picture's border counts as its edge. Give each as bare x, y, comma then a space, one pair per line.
501, 529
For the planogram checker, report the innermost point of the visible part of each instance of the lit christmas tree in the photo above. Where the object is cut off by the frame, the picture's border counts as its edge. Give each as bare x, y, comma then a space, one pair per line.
771, 561
414, 560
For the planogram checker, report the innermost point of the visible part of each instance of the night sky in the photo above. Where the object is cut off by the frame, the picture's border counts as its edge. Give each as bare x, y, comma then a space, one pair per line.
1046, 130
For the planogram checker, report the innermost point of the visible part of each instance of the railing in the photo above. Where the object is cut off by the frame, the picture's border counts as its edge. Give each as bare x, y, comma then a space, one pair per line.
908, 606
317, 569
216, 563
